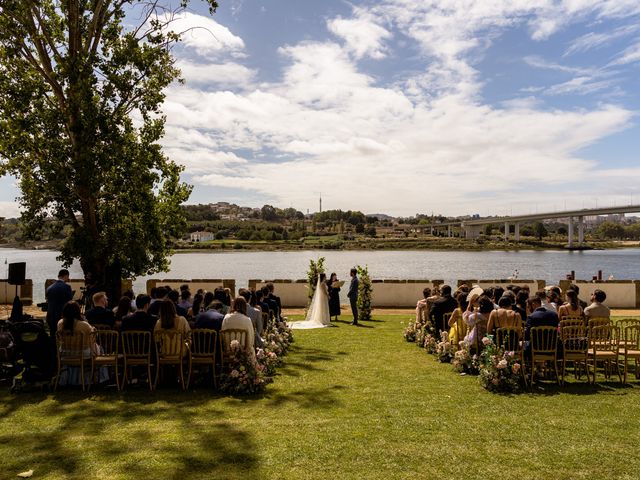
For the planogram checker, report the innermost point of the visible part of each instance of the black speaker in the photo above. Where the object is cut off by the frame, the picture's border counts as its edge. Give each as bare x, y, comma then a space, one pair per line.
17, 272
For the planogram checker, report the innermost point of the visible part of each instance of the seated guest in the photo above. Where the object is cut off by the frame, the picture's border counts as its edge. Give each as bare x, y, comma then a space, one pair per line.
455, 336
72, 322
170, 320
198, 306
543, 296
271, 303
445, 304
520, 304
160, 295
122, 310
260, 303
597, 309
572, 308
174, 296
276, 300
140, 319
185, 299
504, 316
539, 317
477, 321
576, 289
422, 306
219, 295
255, 315
100, 314
498, 292
132, 299
210, 318
238, 319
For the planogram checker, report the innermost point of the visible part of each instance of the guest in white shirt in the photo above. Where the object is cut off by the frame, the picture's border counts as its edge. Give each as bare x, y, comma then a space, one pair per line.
238, 319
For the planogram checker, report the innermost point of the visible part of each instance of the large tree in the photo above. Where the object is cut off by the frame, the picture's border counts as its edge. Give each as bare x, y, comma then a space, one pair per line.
80, 121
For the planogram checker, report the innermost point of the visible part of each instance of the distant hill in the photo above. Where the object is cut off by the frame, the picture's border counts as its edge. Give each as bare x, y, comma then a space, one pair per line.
381, 216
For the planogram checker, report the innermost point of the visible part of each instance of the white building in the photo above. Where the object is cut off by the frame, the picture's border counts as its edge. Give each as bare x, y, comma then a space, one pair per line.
202, 236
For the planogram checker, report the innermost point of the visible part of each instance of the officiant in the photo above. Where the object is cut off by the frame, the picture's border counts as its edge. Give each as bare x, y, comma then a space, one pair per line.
333, 288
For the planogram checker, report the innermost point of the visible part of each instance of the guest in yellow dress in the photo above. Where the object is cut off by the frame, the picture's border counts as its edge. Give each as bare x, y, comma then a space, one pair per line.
456, 322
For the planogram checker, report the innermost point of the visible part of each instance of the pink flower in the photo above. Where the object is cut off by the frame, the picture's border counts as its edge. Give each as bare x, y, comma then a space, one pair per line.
515, 368
486, 341
502, 364
235, 373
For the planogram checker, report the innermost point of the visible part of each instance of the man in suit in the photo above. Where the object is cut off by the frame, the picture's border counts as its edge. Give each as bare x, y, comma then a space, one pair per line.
57, 294
140, 319
100, 314
353, 295
442, 305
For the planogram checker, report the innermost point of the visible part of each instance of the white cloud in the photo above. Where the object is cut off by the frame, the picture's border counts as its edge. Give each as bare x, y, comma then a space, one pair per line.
594, 40
216, 75
426, 142
363, 34
204, 35
9, 209
630, 55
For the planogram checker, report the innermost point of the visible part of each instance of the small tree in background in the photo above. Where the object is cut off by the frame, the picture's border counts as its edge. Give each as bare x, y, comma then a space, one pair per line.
315, 269
540, 230
364, 293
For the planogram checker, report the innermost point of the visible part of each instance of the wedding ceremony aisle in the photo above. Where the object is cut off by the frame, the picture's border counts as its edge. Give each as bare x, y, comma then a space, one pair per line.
348, 403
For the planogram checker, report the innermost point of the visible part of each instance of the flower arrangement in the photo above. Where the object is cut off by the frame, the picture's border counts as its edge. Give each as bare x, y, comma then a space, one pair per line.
409, 333
444, 348
463, 361
499, 369
243, 375
429, 342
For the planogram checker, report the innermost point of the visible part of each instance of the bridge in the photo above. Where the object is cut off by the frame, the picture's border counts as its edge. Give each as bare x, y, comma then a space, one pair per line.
473, 227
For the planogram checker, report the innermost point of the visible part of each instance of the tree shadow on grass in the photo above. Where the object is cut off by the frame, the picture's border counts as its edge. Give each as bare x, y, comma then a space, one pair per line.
578, 388
129, 435
317, 398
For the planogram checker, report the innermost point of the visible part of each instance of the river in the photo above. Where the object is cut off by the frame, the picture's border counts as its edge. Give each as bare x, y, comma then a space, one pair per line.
549, 265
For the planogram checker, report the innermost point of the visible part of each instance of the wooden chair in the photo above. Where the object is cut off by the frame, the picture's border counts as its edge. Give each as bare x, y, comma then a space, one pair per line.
572, 322
172, 349
544, 347
226, 337
631, 349
603, 346
136, 351
511, 339
108, 354
102, 326
622, 325
574, 349
73, 351
204, 348
599, 321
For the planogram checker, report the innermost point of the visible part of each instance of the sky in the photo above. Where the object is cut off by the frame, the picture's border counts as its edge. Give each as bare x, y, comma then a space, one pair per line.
453, 107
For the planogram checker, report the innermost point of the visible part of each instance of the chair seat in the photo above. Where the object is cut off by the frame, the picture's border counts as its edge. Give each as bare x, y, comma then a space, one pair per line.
602, 353
107, 358
630, 353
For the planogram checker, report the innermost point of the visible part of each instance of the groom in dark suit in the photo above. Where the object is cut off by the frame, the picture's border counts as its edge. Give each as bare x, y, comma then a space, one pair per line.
353, 295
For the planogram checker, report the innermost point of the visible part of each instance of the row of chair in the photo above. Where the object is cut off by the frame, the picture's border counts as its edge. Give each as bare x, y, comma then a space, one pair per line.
583, 346
137, 348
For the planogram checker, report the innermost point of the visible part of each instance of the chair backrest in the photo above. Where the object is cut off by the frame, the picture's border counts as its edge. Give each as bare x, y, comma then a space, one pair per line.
232, 334
509, 338
627, 322
574, 339
632, 337
108, 341
544, 339
572, 321
603, 337
169, 343
599, 321
71, 344
445, 321
203, 342
136, 343
102, 326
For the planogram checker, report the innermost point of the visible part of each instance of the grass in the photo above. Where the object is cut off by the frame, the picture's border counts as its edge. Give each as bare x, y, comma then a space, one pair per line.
350, 403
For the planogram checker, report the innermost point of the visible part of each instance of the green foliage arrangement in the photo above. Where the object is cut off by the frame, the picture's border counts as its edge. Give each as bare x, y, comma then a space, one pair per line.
364, 293
315, 269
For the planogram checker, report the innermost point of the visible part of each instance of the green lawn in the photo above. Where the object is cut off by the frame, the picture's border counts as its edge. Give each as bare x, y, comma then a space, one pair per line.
350, 402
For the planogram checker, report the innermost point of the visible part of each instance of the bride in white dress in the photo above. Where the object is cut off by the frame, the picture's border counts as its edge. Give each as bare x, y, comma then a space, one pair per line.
318, 314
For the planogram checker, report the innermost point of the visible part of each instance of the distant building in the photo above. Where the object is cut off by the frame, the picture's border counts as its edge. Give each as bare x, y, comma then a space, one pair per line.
202, 236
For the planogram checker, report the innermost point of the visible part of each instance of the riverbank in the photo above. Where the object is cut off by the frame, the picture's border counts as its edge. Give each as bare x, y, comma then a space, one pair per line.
337, 243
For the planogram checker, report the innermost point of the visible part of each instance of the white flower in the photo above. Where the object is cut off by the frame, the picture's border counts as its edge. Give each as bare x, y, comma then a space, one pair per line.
502, 364
486, 341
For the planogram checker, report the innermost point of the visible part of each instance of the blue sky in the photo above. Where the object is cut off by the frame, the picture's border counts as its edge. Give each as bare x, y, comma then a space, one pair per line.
401, 107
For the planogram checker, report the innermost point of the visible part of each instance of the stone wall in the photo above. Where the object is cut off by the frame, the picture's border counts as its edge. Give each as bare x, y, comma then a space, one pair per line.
399, 293
292, 293
534, 285
8, 292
